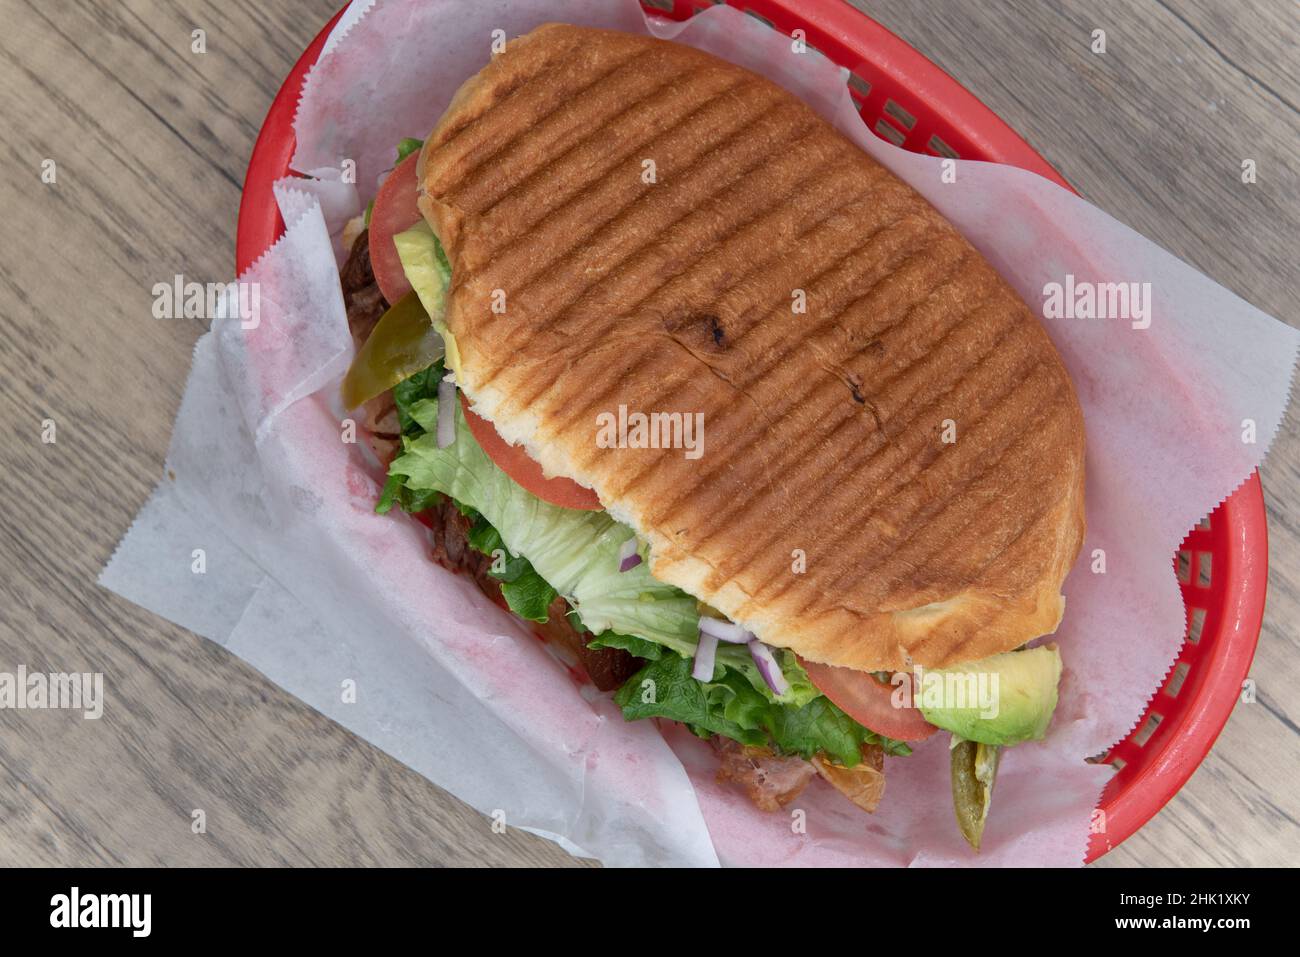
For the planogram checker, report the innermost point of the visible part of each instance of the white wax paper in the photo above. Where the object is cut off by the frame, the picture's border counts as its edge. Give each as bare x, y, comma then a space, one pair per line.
308, 585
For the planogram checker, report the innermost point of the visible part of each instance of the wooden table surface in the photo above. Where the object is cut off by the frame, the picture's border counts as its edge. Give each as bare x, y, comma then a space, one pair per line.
150, 142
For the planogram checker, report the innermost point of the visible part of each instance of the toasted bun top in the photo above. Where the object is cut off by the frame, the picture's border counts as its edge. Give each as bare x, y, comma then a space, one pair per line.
892, 465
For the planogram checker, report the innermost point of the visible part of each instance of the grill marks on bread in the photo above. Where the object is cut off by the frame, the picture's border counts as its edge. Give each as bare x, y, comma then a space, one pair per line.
823, 428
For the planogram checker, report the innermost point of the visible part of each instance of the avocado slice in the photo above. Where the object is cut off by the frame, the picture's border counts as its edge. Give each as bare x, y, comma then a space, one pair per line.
426, 268
1005, 699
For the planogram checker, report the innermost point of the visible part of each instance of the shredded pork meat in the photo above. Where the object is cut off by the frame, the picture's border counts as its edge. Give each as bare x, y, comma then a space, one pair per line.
771, 780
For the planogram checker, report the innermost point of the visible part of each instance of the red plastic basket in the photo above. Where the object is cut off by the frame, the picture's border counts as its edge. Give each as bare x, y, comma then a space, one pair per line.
1222, 565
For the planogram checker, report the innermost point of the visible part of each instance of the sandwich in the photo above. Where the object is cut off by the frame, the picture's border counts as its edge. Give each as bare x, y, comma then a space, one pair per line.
732, 416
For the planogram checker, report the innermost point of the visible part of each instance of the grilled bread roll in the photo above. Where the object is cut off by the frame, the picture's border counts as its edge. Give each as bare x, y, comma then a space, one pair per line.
892, 465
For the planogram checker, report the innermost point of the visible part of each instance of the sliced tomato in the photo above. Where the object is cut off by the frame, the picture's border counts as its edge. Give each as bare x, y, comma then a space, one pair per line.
520, 466
868, 701
395, 212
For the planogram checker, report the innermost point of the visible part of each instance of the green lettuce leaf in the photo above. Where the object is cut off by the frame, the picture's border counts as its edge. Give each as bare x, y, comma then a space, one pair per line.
575, 551
665, 689
408, 395
529, 596
637, 647
525, 591
408, 500
729, 705
408, 146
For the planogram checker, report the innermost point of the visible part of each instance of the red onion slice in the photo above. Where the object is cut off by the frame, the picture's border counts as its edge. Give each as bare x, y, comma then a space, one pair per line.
768, 668
724, 631
706, 652
446, 411
628, 558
